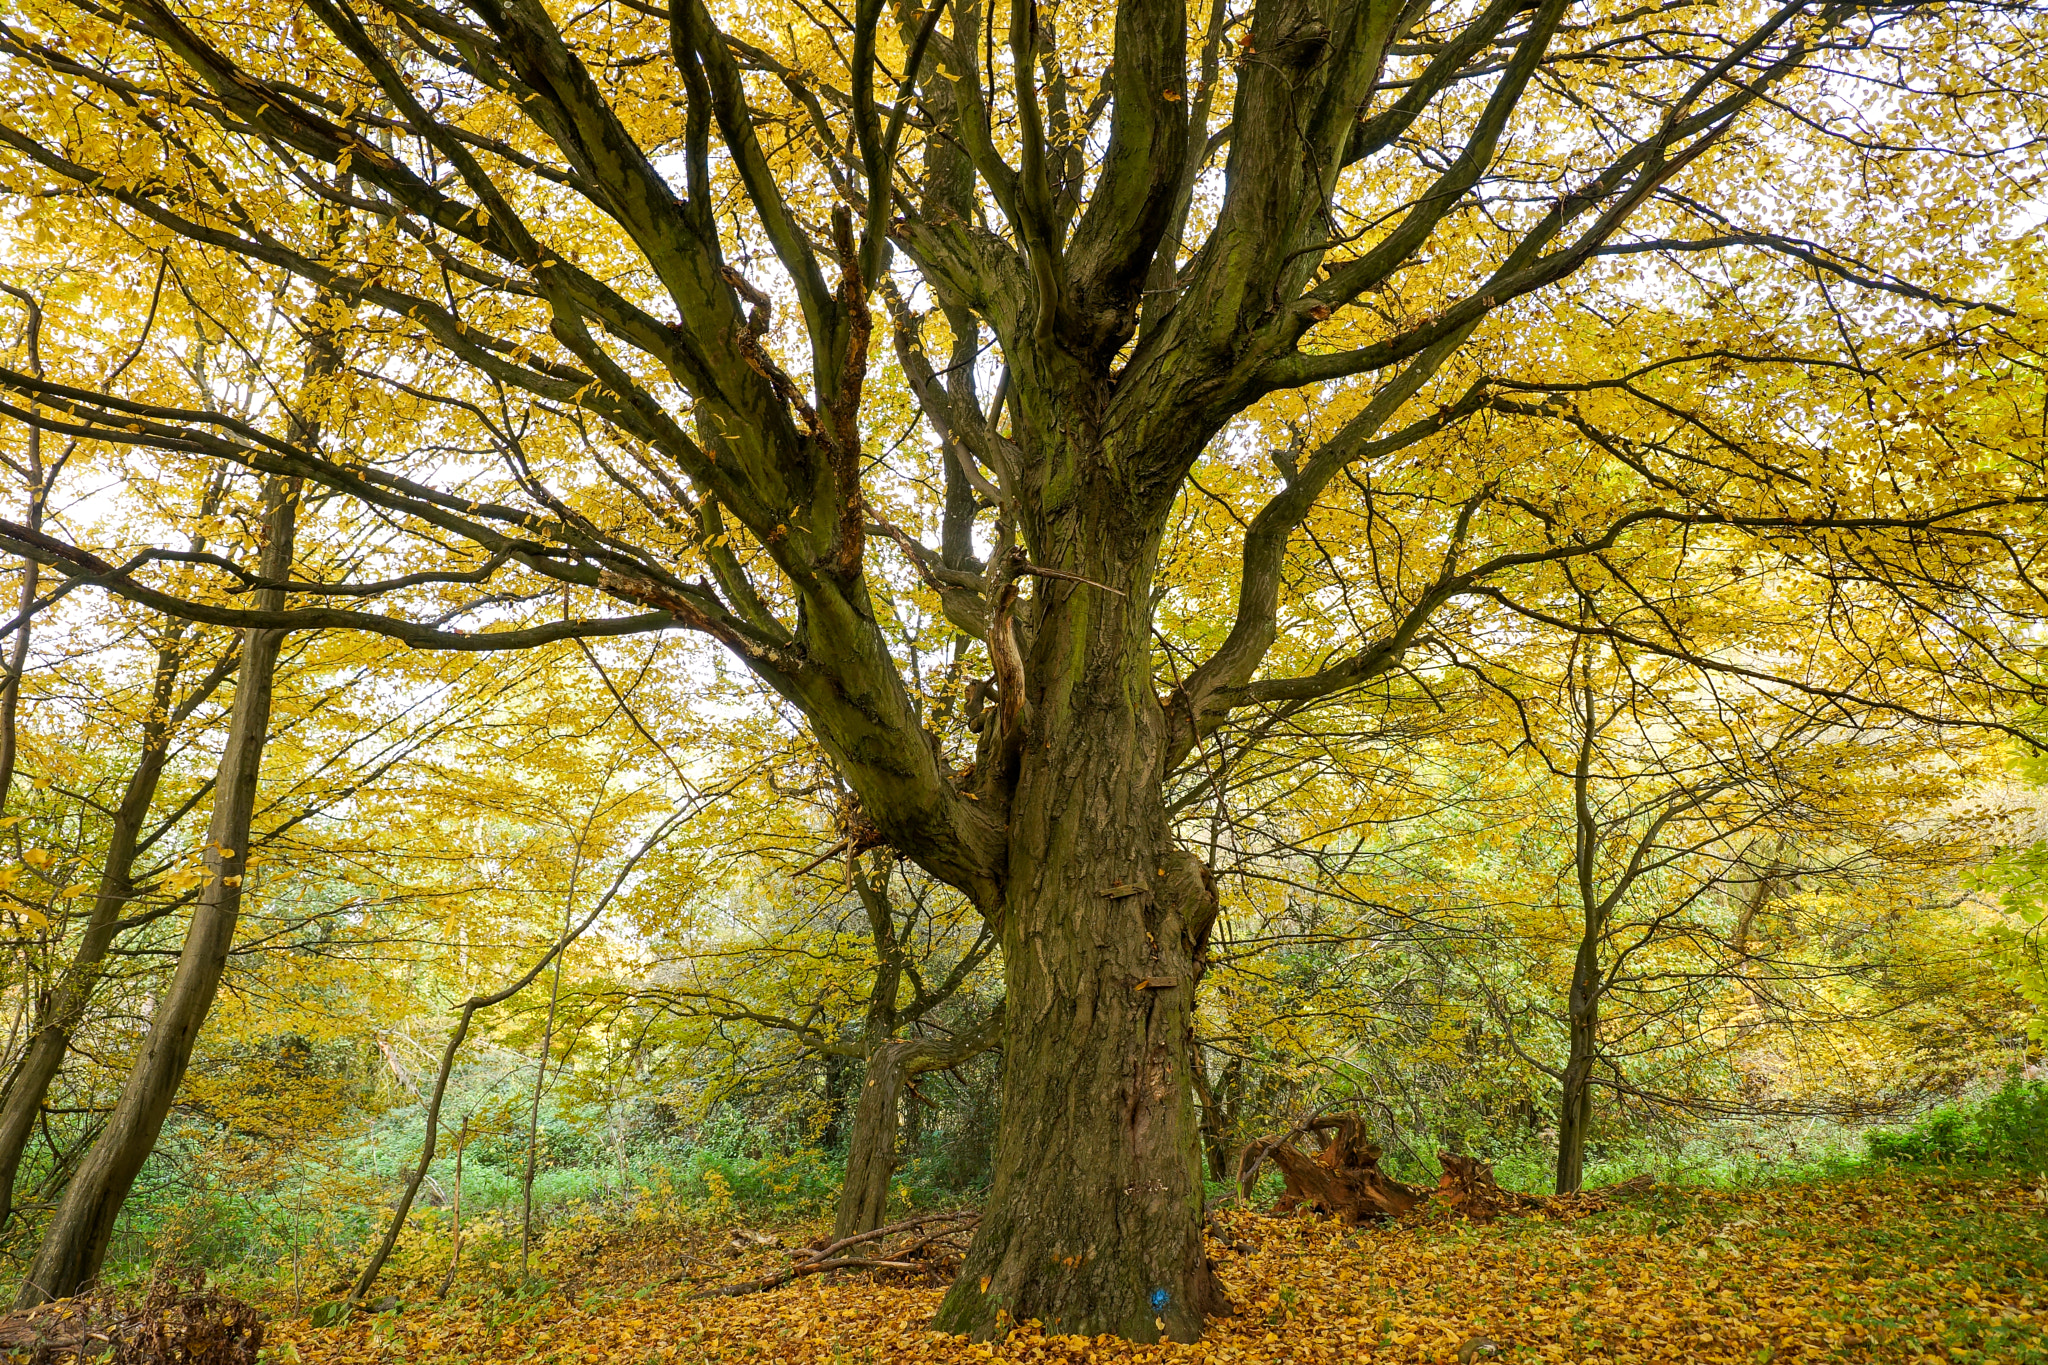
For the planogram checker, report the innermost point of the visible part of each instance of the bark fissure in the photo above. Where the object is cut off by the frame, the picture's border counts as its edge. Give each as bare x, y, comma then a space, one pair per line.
1094, 1219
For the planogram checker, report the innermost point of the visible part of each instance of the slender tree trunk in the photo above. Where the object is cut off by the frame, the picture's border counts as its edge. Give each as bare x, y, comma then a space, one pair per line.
871, 1140
871, 1157
840, 1100
1094, 1221
455, 1257
403, 1209
31, 570
1582, 1006
871, 1154
76, 1240
1575, 1103
910, 1107
60, 1010
63, 1006
540, 1077
547, 1042
1216, 1124
17, 658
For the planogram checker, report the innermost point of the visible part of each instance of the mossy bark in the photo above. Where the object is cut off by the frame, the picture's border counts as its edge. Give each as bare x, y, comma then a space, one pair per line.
1094, 1221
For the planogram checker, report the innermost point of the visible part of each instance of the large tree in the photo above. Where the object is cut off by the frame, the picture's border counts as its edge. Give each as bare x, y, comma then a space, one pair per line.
1474, 316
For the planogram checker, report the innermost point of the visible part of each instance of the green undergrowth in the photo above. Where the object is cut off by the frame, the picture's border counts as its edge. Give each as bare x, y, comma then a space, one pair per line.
2009, 1126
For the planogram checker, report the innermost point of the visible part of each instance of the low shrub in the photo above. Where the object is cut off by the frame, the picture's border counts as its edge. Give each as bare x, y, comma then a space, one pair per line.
2010, 1126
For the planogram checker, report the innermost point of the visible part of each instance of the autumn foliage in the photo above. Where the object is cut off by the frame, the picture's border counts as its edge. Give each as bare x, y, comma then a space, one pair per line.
674, 614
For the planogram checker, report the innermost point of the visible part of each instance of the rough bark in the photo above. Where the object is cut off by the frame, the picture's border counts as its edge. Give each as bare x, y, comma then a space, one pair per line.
1575, 1099
871, 1157
1094, 1218
76, 1239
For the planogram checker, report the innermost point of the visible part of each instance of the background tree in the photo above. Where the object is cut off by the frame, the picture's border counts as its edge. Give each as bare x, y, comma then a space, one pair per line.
904, 1005
1693, 808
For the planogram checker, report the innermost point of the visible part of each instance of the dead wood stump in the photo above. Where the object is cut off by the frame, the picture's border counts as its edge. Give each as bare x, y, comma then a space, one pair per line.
1467, 1186
1343, 1180
178, 1322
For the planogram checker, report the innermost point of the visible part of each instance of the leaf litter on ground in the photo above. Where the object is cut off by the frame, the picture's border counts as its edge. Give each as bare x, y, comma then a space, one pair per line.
1908, 1267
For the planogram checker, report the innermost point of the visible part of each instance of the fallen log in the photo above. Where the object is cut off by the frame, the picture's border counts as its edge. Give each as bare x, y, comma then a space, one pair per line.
925, 1233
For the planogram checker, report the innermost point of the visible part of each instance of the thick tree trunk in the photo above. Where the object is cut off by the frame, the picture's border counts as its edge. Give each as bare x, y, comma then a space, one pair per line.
76, 1240
1094, 1222
1575, 1102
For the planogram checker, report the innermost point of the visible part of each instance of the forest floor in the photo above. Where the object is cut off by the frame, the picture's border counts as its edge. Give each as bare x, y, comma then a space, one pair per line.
1886, 1266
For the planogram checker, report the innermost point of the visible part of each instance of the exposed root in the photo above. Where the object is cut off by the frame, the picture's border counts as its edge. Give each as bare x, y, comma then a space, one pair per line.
1344, 1180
